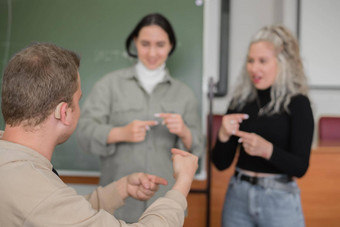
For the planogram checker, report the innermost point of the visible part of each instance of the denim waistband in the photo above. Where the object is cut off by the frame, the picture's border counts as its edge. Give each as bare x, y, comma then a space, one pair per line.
277, 181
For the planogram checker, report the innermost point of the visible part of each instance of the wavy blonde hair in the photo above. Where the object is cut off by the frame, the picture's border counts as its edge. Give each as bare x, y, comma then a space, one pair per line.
290, 80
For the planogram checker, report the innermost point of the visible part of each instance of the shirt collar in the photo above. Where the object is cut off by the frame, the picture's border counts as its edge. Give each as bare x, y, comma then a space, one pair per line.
133, 75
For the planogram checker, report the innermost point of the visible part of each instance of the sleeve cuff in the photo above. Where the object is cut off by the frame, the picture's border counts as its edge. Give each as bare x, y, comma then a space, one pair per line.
102, 134
178, 197
110, 198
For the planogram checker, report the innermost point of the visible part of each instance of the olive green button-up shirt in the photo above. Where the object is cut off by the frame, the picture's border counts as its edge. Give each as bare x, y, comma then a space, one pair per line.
118, 99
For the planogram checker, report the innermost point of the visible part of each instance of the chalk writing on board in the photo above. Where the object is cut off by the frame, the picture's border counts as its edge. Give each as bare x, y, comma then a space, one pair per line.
110, 55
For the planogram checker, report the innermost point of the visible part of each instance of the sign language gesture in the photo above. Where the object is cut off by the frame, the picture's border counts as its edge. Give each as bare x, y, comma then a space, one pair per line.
230, 125
143, 186
136, 130
184, 165
175, 124
255, 145
140, 186
133, 132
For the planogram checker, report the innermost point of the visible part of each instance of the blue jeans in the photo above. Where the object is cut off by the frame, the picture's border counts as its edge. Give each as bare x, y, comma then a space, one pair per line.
253, 205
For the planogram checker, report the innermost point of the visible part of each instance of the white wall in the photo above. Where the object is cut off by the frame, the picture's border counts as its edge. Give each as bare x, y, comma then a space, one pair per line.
247, 16
320, 35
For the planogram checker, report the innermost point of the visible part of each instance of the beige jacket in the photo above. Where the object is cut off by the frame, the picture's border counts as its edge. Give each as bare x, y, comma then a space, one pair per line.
32, 195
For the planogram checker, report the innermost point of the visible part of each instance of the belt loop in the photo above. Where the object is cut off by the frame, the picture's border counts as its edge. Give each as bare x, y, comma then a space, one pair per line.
238, 175
264, 182
267, 182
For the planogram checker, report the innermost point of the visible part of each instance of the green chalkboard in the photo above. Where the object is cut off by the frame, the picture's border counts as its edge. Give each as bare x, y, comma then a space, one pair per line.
96, 29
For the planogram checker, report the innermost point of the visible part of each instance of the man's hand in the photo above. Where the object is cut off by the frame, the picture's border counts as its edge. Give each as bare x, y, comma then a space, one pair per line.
140, 186
185, 165
143, 186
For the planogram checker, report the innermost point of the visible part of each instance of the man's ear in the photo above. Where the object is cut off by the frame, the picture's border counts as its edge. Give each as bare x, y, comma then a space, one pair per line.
60, 112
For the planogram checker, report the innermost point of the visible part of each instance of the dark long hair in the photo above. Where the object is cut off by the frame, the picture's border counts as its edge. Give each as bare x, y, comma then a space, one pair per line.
151, 19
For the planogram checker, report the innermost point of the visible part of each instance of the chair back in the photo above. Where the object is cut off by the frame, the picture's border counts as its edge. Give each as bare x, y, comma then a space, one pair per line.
216, 124
329, 129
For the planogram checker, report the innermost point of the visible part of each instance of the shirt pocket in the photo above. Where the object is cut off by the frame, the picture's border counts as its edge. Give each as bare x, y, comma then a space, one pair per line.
172, 107
125, 112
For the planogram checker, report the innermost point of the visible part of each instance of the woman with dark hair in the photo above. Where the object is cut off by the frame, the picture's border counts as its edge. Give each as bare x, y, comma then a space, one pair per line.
137, 114
270, 121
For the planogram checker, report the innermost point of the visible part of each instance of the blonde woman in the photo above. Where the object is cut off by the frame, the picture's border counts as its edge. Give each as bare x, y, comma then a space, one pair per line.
271, 120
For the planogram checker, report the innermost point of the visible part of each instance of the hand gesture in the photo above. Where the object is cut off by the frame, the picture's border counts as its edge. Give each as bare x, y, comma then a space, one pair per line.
136, 130
255, 145
174, 122
230, 125
143, 186
185, 165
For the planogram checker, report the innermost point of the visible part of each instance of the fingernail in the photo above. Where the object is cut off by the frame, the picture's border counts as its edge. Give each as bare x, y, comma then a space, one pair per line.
233, 132
156, 122
147, 127
240, 140
156, 114
246, 116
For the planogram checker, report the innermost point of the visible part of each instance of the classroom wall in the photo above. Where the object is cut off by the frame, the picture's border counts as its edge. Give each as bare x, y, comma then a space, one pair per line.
246, 17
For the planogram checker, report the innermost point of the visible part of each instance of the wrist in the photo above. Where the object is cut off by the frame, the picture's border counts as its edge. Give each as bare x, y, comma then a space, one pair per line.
116, 135
187, 139
268, 154
121, 186
183, 185
223, 137
185, 133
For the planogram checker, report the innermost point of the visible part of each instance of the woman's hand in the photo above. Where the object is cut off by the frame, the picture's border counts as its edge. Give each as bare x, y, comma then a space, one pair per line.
255, 145
175, 124
133, 132
136, 130
230, 125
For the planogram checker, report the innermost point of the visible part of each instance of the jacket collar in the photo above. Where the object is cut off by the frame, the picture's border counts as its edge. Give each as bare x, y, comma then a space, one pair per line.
133, 75
12, 152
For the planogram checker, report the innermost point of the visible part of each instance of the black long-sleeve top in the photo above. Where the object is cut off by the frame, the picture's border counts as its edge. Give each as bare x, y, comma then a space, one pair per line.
290, 133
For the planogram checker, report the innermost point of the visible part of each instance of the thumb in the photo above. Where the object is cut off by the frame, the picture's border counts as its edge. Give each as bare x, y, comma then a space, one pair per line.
144, 180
